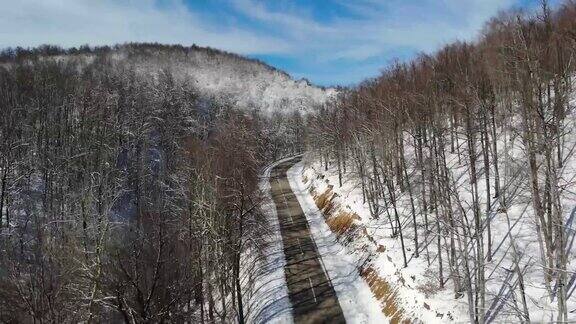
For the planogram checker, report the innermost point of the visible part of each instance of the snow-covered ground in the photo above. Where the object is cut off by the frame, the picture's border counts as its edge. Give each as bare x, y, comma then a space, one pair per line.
369, 243
417, 289
268, 299
356, 300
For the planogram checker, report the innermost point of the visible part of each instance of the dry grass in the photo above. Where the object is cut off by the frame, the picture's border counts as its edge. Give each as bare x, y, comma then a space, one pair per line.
385, 294
324, 202
342, 224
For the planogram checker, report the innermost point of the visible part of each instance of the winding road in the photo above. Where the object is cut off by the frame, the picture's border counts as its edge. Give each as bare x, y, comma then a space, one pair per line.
309, 287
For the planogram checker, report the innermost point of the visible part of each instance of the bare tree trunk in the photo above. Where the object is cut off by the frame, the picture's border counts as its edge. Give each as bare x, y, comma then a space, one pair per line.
413, 208
478, 229
5, 171
485, 140
422, 167
397, 217
338, 163
495, 151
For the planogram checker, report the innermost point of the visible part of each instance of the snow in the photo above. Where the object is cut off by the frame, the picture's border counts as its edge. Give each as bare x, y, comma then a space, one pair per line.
416, 288
269, 302
418, 284
255, 87
388, 264
234, 80
354, 295
228, 78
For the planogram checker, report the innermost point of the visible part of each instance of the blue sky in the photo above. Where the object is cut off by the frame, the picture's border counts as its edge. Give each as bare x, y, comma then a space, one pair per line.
330, 42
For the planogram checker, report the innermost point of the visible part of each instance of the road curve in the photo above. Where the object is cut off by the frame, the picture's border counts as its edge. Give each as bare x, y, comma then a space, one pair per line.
309, 287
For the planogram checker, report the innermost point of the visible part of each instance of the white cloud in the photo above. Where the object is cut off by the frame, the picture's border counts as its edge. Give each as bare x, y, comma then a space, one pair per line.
377, 27
370, 31
290, 22
76, 22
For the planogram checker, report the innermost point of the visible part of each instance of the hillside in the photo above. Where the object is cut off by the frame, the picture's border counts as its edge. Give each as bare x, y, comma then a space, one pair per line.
149, 183
133, 171
451, 177
226, 77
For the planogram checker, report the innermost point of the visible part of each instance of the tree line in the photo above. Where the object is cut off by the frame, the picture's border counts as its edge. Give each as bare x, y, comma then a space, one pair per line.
125, 195
398, 135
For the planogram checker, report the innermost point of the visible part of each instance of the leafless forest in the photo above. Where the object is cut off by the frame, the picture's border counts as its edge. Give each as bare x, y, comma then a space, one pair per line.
128, 194
125, 195
473, 102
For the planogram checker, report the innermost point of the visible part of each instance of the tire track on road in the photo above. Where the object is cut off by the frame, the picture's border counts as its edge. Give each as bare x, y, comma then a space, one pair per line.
309, 287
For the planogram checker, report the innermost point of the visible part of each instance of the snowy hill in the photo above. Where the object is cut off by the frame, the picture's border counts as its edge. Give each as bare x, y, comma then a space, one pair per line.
229, 78
240, 81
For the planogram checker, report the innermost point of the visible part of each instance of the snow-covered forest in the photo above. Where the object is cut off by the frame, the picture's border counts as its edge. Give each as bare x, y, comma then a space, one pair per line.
149, 183
129, 179
458, 170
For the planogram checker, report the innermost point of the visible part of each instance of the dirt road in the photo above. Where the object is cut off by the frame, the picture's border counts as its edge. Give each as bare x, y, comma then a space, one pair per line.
309, 287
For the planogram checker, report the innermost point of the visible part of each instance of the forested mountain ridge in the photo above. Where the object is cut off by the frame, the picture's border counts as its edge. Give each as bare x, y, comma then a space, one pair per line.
129, 192
225, 77
137, 184
459, 166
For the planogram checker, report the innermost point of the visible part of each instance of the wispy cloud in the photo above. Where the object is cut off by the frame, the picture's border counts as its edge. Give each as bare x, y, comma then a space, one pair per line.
290, 22
378, 26
337, 39
76, 22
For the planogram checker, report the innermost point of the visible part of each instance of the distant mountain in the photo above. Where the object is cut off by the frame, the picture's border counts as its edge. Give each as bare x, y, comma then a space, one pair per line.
228, 78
